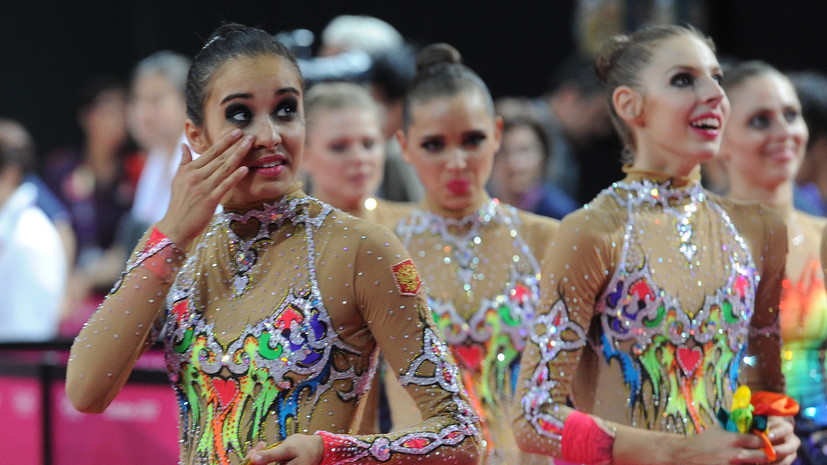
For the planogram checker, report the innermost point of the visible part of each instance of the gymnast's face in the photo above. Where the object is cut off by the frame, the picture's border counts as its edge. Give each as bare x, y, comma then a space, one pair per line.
262, 96
766, 136
677, 115
345, 155
451, 143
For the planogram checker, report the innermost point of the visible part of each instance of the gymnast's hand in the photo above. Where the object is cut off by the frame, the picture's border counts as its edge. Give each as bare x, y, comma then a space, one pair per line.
298, 449
783, 438
720, 447
199, 185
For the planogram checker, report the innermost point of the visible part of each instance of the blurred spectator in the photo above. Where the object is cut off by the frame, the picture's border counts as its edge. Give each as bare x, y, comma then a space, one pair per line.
575, 116
157, 112
517, 176
366, 33
811, 189
392, 67
32, 259
97, 183
349, 46
14, 135
388, 80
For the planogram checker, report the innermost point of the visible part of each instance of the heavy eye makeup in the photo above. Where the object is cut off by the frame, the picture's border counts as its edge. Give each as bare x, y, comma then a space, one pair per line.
688, 78
287, 109
473, 139
682, 79
238, 113
241, 114
433, 144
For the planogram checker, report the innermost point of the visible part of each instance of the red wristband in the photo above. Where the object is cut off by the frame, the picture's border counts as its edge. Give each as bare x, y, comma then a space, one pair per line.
339, 448
583, 441
159, 256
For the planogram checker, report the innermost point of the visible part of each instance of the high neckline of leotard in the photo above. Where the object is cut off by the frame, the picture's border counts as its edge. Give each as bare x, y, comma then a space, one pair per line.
674, 181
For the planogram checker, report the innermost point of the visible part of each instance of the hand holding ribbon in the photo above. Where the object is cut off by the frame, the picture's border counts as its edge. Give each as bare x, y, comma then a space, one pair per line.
750, 411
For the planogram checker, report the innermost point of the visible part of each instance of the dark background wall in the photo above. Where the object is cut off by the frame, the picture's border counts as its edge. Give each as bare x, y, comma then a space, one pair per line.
49, 47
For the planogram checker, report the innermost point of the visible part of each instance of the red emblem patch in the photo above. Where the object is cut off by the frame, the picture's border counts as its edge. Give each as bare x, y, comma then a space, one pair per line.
407, 278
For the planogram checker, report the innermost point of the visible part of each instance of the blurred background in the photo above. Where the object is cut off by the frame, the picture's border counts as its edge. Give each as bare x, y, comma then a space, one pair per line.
49, 48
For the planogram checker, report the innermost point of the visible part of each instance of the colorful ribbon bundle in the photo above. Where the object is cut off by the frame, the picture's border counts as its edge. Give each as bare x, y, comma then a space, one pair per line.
749, 414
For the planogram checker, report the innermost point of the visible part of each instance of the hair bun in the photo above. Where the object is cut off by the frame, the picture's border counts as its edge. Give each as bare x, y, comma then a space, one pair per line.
608, 55
435, 55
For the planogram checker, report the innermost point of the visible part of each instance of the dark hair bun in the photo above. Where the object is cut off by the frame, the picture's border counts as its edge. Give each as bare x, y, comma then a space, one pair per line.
608, 55
435, 55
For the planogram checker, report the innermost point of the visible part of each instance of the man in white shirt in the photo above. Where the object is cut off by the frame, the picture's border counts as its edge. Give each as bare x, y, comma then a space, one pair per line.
33, 263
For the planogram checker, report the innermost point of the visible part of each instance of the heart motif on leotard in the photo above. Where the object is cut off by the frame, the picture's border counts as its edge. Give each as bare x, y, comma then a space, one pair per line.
689, 359
471, 356
225, 389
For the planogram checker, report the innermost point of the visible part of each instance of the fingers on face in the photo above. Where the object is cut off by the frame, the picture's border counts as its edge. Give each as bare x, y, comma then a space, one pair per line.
219, 148
228, 164
216, 167
229, 182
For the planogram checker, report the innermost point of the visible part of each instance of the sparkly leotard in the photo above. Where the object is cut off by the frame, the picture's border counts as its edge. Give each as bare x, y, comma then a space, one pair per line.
271, 327
660, 291
804, 332
481, 274
804, 321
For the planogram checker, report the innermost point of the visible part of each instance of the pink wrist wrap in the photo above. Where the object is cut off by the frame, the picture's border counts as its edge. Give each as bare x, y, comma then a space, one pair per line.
337, 448
585, 442
159, 256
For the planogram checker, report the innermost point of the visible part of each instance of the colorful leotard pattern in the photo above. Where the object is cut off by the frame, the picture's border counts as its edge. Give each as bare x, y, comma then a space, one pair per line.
688, 358
482, 280
305, 355
658, 307
804, 328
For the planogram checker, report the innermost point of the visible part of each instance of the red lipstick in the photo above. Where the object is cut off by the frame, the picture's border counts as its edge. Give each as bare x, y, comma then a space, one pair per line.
459, 186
